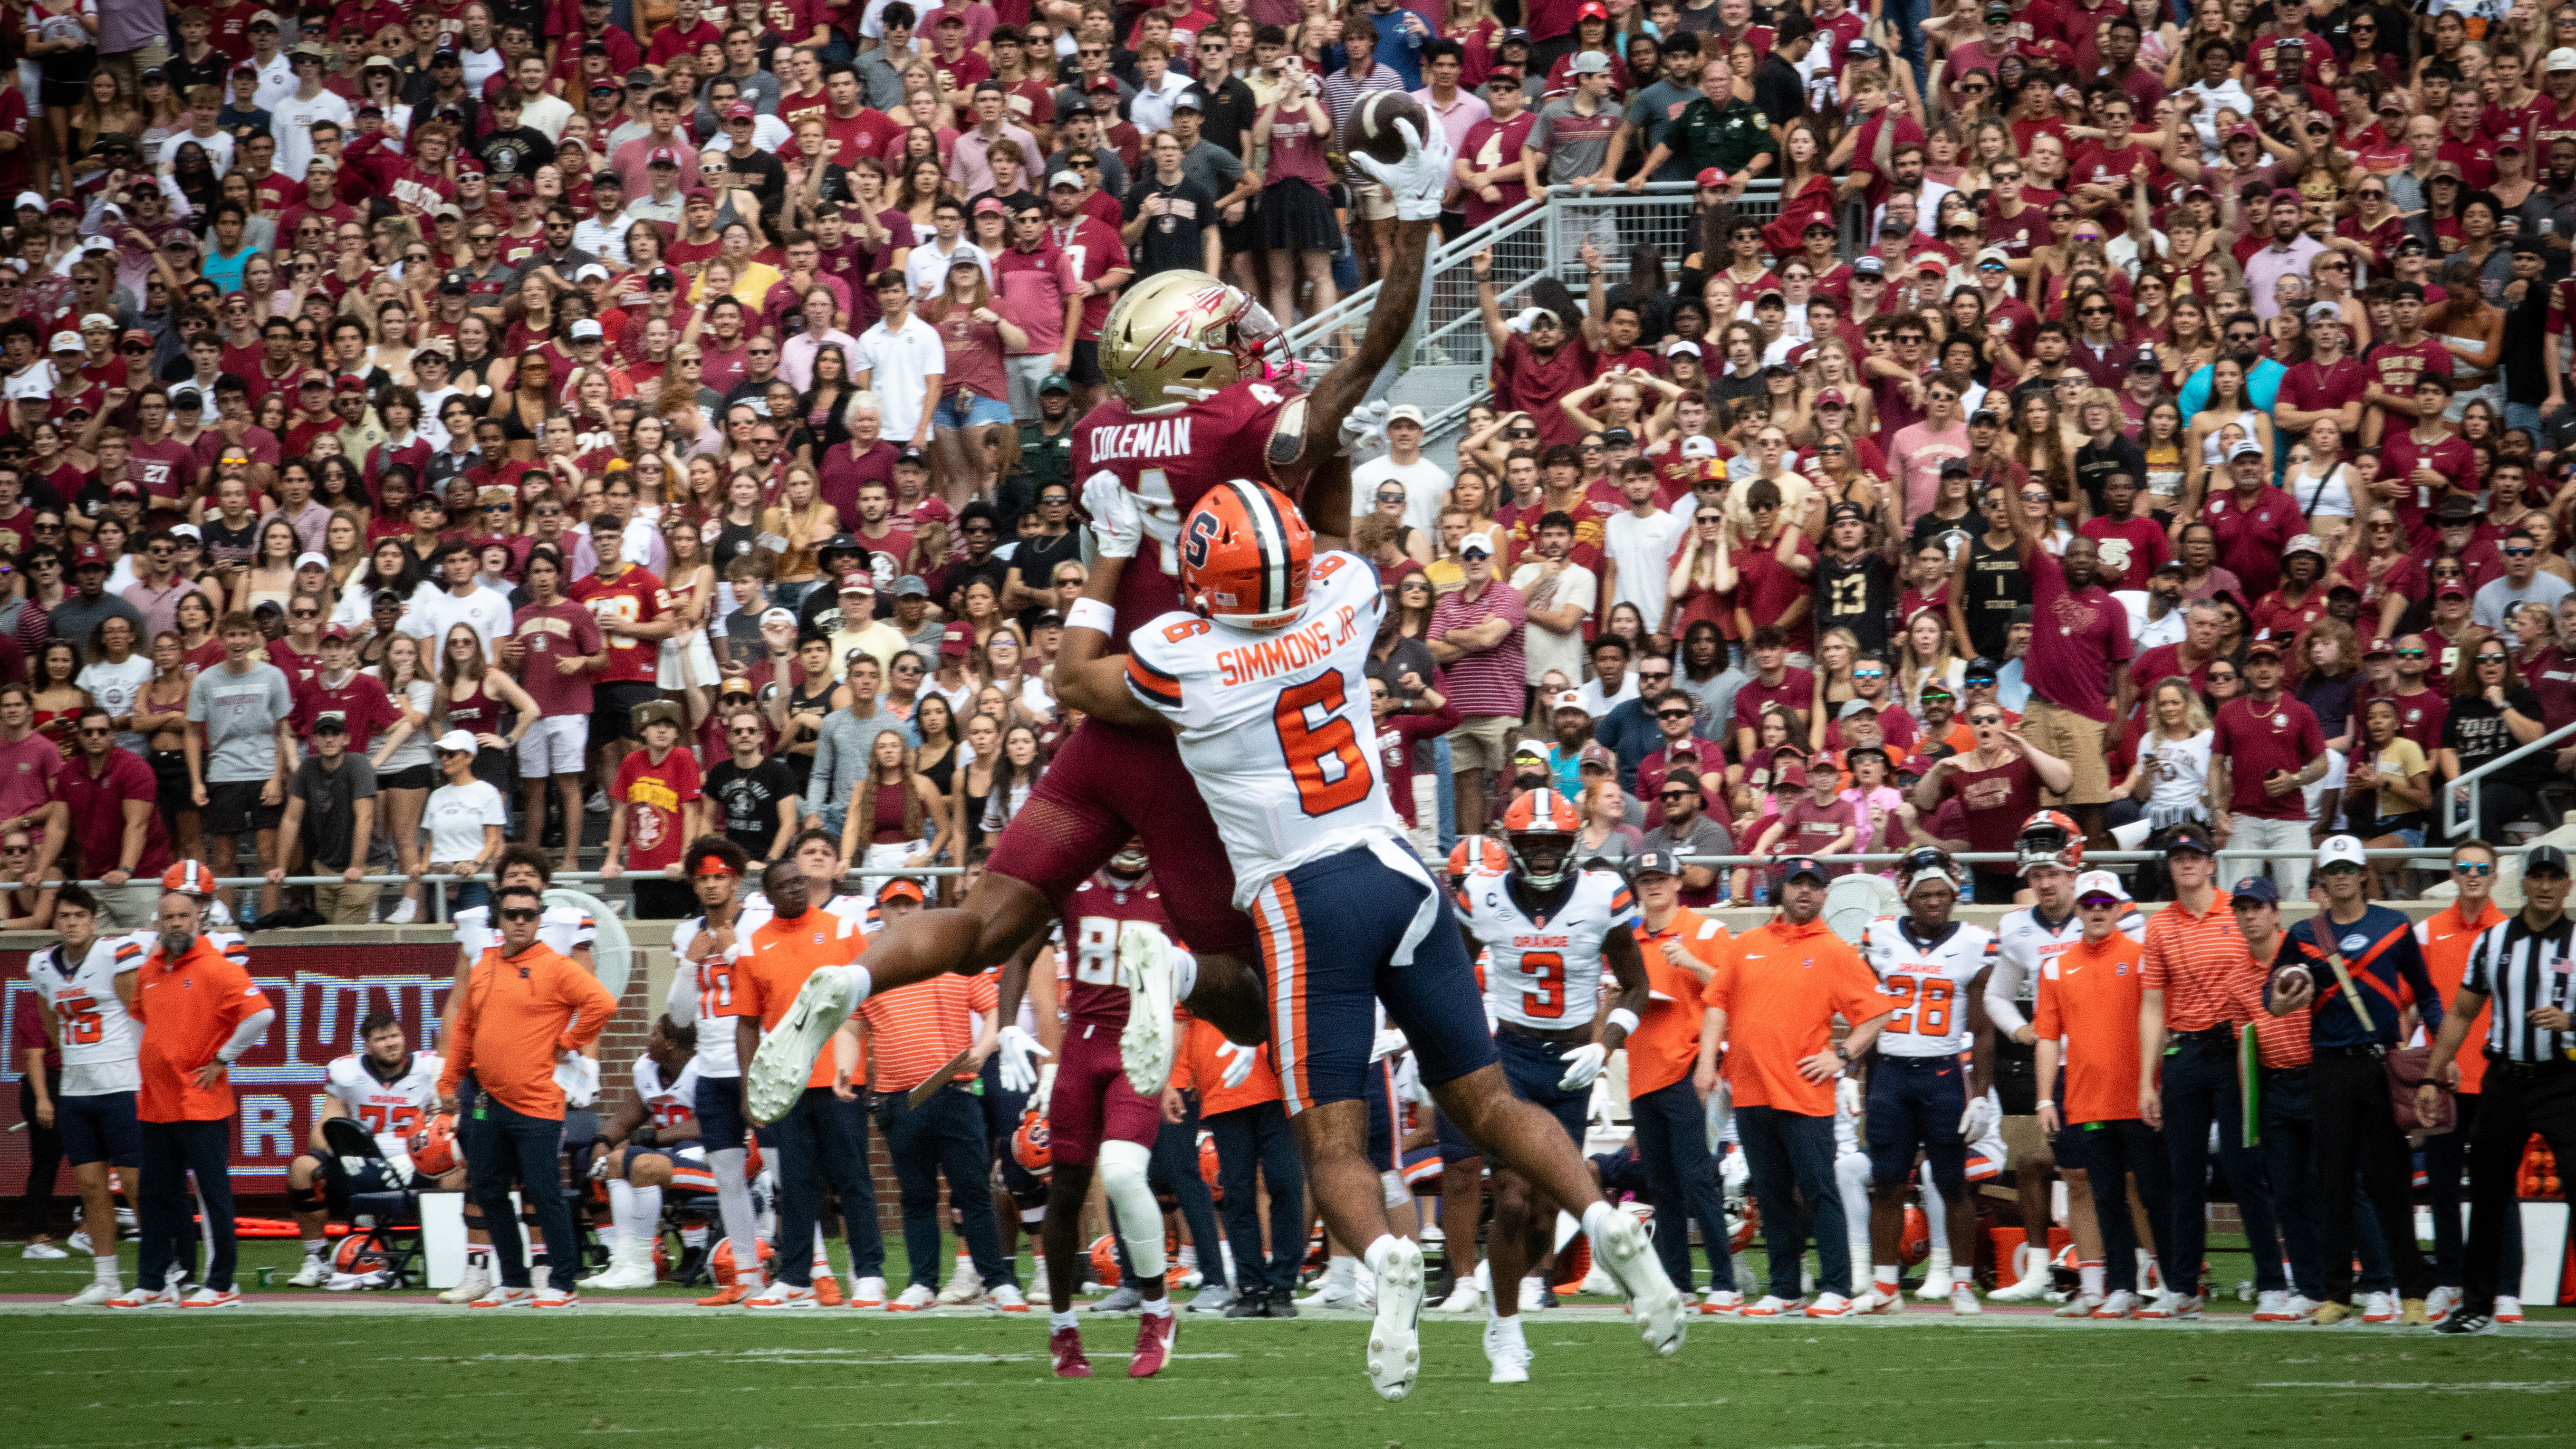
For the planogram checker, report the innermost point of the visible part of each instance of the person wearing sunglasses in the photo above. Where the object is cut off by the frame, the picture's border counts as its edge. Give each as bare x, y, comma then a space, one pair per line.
2241, 337
2447, 939
2523, 582
2493, 711
508, 1038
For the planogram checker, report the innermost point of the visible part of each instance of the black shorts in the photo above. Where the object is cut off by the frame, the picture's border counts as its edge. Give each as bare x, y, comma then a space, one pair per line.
233, 808
719, 1106
1086, 365
612, 705
100, 1128
419, 777
170, 772
1244, 235
2016, 1077
1995, 887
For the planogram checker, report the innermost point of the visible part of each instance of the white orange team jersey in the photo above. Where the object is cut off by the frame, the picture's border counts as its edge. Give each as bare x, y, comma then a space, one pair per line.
1928, 984
390, 1111
672, 1102
1275, 725
702, 990
2023, 945
1545, 975
101, 1044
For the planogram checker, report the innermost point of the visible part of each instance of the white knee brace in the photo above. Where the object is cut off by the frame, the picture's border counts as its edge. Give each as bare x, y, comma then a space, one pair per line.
1140, 1219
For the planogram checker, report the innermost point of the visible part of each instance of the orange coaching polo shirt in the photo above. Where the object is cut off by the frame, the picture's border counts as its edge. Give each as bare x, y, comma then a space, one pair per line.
915, 1030
519, 1012
2445, 941
1665, 1046
2089, 995
783, 953
1780, 988
189, 1008
1202, 1065
2197, 962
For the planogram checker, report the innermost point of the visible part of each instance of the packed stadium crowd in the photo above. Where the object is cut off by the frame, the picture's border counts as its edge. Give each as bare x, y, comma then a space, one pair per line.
775, 429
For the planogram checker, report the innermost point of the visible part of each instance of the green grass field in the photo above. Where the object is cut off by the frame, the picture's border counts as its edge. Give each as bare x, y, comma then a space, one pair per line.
366, 1371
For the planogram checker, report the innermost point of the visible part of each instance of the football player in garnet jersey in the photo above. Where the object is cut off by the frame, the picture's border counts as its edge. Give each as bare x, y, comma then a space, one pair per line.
1192, 410
1550, 928
1266, 685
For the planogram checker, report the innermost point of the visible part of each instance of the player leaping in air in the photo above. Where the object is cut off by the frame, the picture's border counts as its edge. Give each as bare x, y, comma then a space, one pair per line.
1193, 408
1266, 687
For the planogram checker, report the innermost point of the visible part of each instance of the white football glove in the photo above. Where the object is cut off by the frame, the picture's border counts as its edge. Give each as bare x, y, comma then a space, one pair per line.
1418, 181
1847, 1095
1581, 1065
1364, 426
1238, 1061
1046, 1083
1981, 1118
1019, 1059
1117, 522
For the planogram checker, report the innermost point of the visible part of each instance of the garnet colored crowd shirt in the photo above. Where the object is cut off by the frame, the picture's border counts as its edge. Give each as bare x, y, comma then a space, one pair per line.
2075, 638
2256, 739
1995, 801
654, 790
635, 596
551, 633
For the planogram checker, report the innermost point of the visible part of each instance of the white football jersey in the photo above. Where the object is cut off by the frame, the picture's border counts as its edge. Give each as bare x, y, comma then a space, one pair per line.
1929, 984
1545, 974
702, 991
390, 1111
1275, 726
2023, 944
670, 1103
100, 1042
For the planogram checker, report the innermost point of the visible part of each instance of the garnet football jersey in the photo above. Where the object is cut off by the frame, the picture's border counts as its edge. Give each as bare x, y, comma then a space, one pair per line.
1099, 907
635, 596
1170, 458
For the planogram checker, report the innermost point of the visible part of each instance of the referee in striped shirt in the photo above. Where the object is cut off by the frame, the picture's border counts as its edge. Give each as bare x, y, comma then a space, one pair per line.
2524, 967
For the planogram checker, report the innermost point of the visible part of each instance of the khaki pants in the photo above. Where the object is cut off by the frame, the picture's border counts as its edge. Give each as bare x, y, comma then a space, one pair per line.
2078, 741
346, 905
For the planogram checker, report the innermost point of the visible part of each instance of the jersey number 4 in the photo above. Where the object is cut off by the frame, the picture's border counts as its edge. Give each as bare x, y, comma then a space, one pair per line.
1325, 759
1926, 1011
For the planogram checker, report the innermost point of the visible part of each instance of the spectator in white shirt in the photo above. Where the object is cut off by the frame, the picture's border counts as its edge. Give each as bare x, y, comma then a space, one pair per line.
1426, 483
901, 358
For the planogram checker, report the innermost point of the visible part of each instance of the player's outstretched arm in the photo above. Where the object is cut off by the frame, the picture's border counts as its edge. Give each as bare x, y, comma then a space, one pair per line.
1416, 182
1087, 677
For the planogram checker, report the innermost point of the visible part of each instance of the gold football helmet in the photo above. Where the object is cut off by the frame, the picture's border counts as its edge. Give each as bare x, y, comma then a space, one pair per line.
1178, 337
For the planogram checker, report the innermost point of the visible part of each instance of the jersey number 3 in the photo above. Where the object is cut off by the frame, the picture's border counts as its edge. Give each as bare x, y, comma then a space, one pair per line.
1325, 759
1546, 994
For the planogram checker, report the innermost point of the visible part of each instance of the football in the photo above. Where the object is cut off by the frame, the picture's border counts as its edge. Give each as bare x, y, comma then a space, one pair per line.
1371, 131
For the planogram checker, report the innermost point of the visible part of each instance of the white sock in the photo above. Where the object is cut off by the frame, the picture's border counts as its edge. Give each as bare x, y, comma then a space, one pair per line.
1185, 975
733, 1206
1885, 1273
1377, 1251
1863, 1251
694, 1237
965, 1262
1597, 1220
626, 1208
1066, 1319
1189, 1255
822, 1258
2091, 1276
103, 1268
862, 985
1158, 1307
1340, 1272
1940, 1264
316, 1247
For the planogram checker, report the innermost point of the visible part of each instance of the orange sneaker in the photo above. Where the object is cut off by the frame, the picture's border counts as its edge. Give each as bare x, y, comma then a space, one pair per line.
827, 1289
729, 1296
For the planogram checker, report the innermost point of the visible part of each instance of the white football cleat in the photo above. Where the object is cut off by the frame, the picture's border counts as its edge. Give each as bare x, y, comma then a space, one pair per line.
965, 1286
211, 1298
1006, 1299
2119, 1303
870, 1292
1770, 1306
1507, 1349
1874, 1301
785, 1061
141, 1297
80, 1241
2273, 1306
1395, 1336
501, 1295
1963, 1301
95, 1295
553, 1297
779, 1297
2439, 1303
315, 1272
1624, 1249
2379, 1308
1329, 1294
1830, 1305
475, 1283
1145, 1045
44, 1250
1465, 1298
1725, 1303
2158, 1305
1936, 1286
2508, 1310
914, 1299
630, 1265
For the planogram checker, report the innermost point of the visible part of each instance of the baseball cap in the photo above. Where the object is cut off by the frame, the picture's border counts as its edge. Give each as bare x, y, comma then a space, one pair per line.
67, 342
1190, 100
1064, 179
740, 112
662, 156
335, 631
858, 582
2262, 644
2341, 850
1869, 266
88, 554
2145, 361
455, 284
2562, 58
315, 378
311, 560
901, 888
2245, 448
1591, 62
331, 719
2377, 644
588, 271
910, 586
124, 487
1408, 413
957, 640
2257, 888
1832, 397
1958, 466
458, 742
2304, 543
2457, 508
2099, 883
1797, 866
1980, 668
1476, 542
1696, 446
1656, 862
2189, 837
659, 711
1711, 176
587, 330
1596, 755
777, 616
1530, 750
1792, 773
734, 686
1989, 254
2324, 312
349, 382
2544, 858
1843, 511
1055, 382
1565, 699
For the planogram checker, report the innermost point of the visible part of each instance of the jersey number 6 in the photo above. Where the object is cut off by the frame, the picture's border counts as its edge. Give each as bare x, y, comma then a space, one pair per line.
1307, 748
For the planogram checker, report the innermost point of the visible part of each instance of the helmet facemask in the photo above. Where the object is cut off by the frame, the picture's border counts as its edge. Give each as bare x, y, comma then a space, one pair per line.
1542, 857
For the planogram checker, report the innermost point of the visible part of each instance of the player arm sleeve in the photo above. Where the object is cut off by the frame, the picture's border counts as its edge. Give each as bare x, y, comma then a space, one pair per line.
247, 1034
681, 1005
2003, 992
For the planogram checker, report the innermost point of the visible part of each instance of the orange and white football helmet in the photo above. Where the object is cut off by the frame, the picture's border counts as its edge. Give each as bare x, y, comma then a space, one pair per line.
2049, 838
1538, 834
1245, 555
190, 878
433, 1147
1031, 1147
720, 1262
1477, 854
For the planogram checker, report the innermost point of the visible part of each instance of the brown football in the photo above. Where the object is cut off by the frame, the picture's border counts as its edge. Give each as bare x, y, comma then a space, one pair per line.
1370, 129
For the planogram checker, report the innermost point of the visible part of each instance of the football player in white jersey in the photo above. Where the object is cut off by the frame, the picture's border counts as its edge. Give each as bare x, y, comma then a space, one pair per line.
2050, 852
1266, 688
83, 983
704, 948
568, 931
1549, 929
651, 1142
392, 1091
1919, 1095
